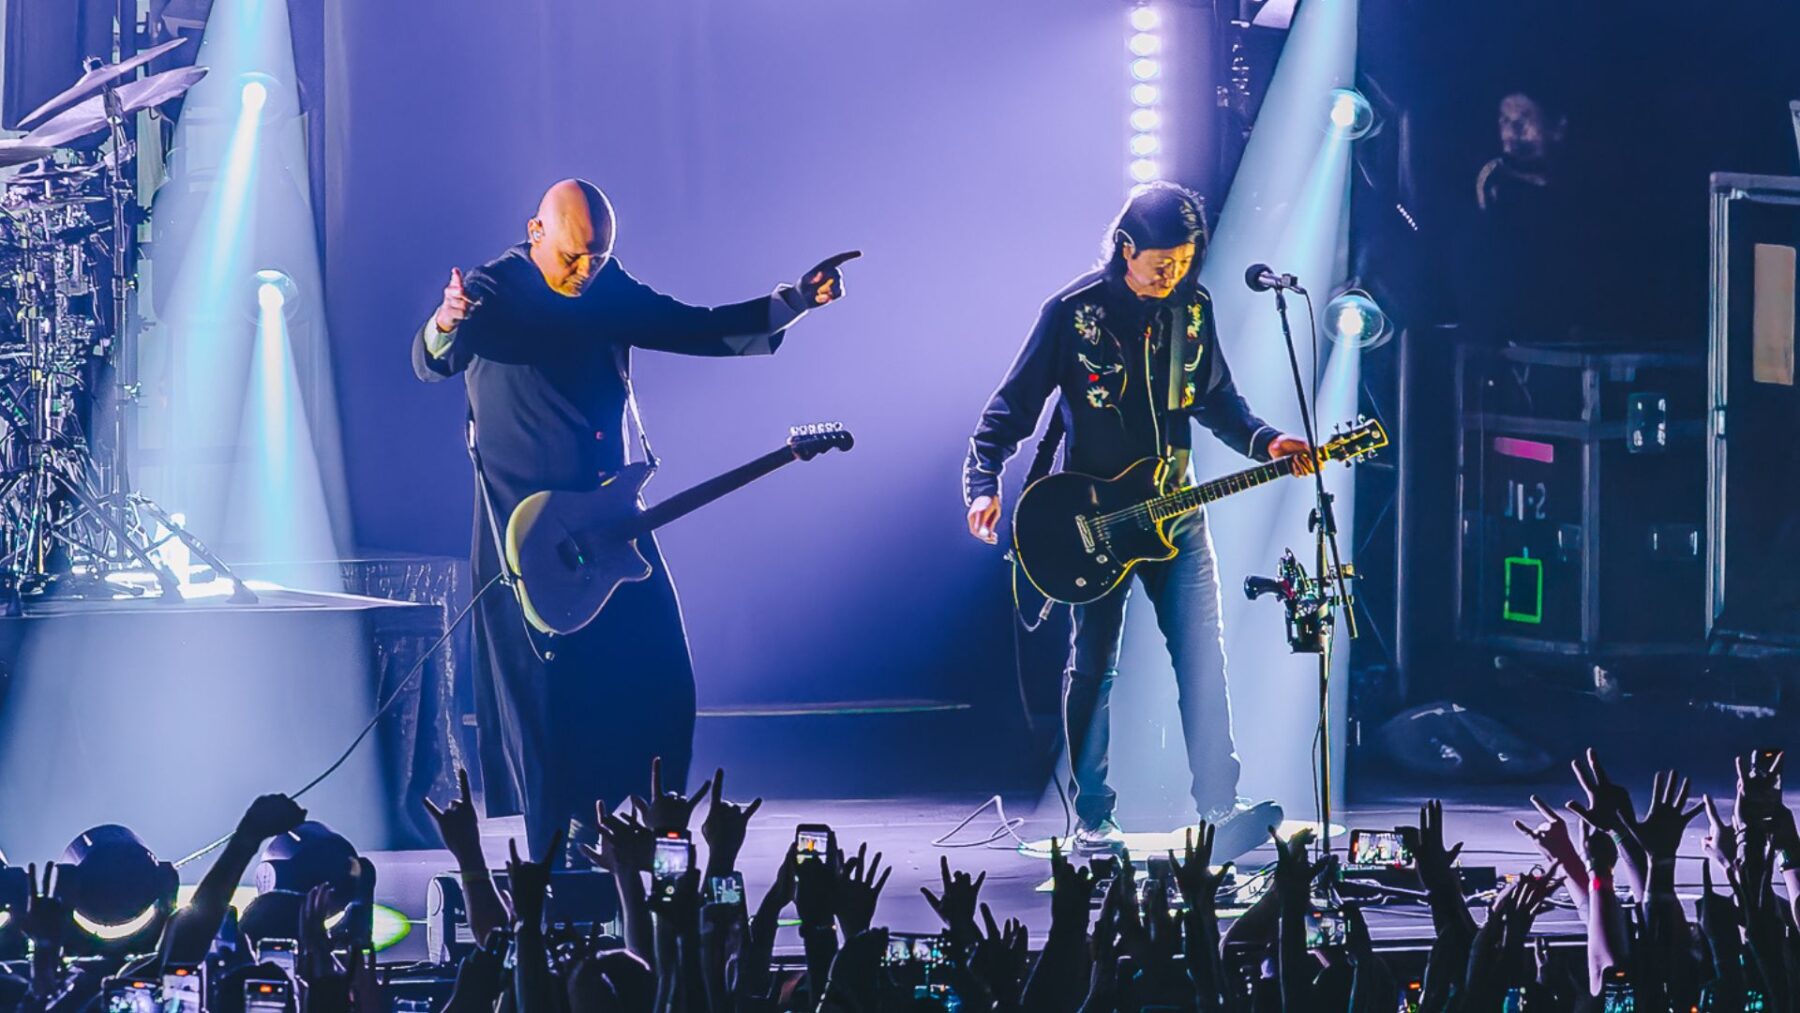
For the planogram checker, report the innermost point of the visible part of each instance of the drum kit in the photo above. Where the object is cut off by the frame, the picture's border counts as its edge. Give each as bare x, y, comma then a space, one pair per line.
70, 523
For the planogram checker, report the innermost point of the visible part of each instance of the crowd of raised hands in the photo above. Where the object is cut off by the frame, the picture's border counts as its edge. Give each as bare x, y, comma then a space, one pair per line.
1122, 936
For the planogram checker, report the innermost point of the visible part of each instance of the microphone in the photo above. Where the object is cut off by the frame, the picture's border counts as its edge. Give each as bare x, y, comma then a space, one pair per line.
1262, 278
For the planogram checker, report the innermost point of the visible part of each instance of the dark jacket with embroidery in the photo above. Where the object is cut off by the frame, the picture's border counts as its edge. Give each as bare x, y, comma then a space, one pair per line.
1075, 350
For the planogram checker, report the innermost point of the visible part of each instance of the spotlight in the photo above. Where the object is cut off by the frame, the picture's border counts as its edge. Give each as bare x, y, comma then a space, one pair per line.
255, 91
1144, 120
1145, 170
1145, 19
275, 292
1350, 114
304, 857
1145, 44
1145, 145
117, 891
1145, 94
1353, 319
1145, 69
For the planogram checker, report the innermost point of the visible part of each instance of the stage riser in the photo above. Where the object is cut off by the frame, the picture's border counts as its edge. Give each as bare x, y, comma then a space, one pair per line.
170, 719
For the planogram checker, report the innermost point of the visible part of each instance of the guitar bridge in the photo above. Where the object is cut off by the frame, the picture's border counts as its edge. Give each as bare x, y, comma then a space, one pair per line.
1087, 533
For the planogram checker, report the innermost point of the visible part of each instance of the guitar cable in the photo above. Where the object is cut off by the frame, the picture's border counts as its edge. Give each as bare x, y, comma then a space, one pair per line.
381, 711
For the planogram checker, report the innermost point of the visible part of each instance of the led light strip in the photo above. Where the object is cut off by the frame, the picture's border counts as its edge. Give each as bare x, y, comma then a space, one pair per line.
1145, 47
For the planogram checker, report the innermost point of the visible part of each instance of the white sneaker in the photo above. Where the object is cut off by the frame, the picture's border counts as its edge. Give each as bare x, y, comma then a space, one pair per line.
1103, 837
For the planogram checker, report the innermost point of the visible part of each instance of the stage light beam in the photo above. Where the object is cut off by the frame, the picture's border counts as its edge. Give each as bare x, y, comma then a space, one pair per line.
1350, 114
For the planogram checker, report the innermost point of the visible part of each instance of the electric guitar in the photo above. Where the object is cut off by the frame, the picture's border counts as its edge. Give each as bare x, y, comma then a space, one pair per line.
1077, 537
569, 551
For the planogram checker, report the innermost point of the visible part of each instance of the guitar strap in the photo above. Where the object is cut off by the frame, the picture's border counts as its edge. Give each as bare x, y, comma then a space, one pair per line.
631, 407
1046, 448
497, 533
1177, 451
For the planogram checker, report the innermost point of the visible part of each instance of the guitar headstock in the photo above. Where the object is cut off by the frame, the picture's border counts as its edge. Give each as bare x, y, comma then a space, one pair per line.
1355, 443
809, 441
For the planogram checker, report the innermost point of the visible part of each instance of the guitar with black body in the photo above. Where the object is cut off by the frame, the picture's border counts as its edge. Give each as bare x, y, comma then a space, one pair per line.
1077, 537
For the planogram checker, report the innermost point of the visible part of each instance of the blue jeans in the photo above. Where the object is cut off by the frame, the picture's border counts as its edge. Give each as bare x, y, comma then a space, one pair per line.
1184, 591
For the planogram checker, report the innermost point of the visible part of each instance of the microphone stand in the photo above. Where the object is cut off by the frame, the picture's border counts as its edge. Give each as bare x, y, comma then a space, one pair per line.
1324, 527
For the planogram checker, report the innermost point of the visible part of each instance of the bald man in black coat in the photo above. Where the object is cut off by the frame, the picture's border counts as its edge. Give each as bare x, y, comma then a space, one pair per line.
543, 335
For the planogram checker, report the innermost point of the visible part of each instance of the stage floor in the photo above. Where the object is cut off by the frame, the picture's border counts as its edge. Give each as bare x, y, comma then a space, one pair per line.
903, 829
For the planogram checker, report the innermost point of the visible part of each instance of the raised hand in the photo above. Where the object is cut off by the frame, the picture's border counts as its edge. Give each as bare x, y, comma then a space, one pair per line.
313, 962
530, 882
815, 890
1072, 890
457, 824
782, 891
667, 811
1293, 872
1552, 837
859, 887
627, 847
1609, 804
270, 816
1001, 958
1659, 832
1758, 789
825, 282
724, 828
1194, 877
456, 305
47, 920
956, 906
1523, 900
1437, 866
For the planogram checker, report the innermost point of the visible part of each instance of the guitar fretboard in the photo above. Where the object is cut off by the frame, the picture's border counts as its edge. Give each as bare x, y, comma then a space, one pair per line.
1192, 498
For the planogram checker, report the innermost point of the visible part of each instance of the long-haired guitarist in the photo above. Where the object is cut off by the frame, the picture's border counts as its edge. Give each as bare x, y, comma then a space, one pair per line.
1132, 350
543, 335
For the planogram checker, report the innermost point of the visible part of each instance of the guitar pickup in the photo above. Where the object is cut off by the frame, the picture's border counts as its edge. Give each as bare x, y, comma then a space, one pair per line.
1087, 533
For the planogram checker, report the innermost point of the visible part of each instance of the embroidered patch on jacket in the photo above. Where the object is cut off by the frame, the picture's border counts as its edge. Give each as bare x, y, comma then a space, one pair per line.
1087, 322
1096, 370
1099, 396
1195, 316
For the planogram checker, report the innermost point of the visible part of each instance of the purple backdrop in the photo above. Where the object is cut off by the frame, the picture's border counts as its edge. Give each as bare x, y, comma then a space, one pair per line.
974, 155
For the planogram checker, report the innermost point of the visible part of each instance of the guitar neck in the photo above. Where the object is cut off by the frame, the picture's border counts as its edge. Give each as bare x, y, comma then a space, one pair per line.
688, 500
1192, 498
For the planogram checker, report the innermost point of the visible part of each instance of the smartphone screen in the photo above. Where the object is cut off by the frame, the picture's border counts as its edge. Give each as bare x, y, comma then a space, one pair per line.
279, 952
908, 950
812, 842
1617, 995
181, 989
1324, 928
266, 996
671, 860
725, 889
1380, 849
131, 995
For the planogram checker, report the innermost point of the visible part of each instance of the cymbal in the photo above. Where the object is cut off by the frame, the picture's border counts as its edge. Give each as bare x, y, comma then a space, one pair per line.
54, 174
91, 82
89, 116
21, 150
